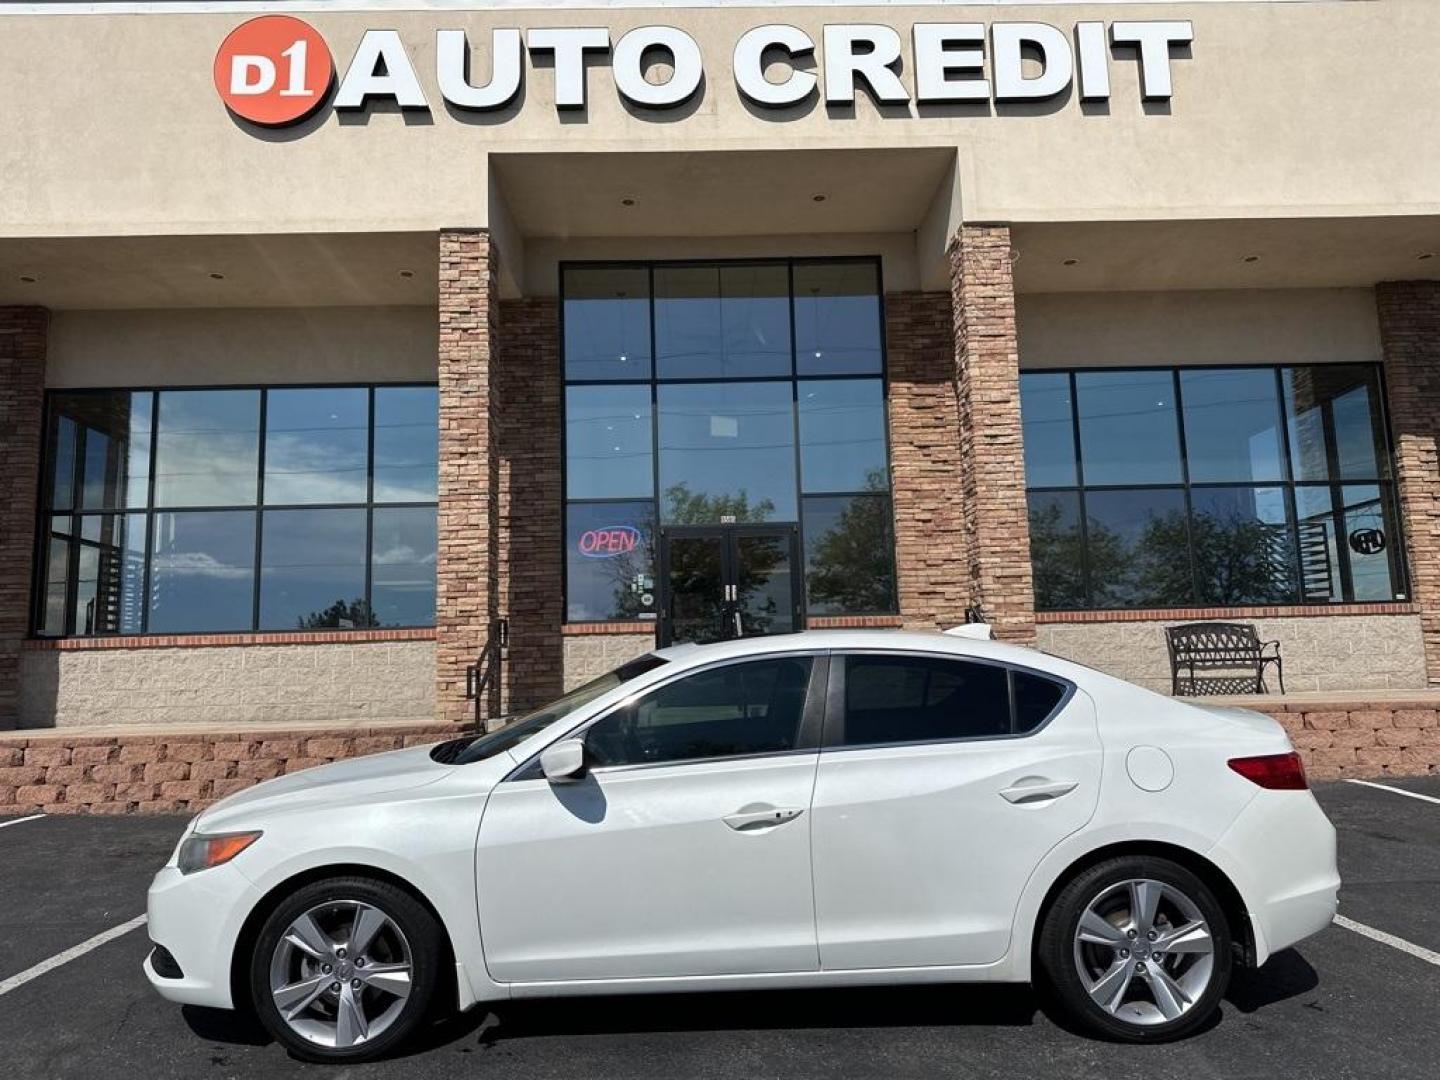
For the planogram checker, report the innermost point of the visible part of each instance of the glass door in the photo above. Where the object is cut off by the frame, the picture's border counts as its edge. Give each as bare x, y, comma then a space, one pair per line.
728, 581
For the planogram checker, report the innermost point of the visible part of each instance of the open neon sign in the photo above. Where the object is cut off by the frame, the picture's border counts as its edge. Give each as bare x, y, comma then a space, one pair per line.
608, 542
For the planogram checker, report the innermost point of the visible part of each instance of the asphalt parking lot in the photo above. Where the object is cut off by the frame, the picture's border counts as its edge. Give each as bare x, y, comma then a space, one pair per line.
1341, 1005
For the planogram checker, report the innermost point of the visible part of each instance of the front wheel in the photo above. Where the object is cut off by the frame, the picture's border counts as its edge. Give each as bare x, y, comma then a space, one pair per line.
344, 969
1138, 949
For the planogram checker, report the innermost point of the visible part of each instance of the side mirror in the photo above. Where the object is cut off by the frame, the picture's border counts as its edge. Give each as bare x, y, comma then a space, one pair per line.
564, 761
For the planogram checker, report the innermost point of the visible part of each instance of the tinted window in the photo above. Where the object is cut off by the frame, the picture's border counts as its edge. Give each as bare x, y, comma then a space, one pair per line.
207, 449
1335, 424
608, 442
903, 699
1035, 699
1138, 548
1244, 546
726, 322
1232, 425
100, 449
202, 576
1047, 415
842, 435
312, 571
837, 318
607, 322
407, 443
849, 554
748, 708
1128, 428
1055, 550
609, 561
402, 566
316, 445
727, 450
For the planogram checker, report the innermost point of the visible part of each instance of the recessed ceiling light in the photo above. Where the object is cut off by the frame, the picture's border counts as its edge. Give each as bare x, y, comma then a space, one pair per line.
1424, 256
628, 200
818, 198
218, 277
1070, 262
28, 279
407, 273
1251, 258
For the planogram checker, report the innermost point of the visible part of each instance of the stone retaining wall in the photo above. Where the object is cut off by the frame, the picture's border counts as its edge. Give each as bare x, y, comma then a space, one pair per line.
1348, 738
119, 772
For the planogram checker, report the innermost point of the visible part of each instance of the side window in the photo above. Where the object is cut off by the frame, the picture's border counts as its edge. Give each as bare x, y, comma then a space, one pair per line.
900, 699
746, 708
1035, 699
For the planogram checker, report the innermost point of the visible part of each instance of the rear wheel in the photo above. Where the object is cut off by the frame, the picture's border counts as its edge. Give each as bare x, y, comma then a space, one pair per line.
1137, 948
344, 969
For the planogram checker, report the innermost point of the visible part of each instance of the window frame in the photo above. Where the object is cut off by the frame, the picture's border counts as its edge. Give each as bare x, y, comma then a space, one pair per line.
653, 381
1386, 484
45, 512
833, 738
807, 741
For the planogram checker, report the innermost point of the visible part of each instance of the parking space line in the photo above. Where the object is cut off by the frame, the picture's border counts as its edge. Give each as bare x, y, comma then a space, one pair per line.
20, 820
1395, 790
1394, 942
72, 953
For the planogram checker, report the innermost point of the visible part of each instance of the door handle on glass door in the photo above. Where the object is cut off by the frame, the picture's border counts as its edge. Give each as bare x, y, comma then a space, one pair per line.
762, 818
1037, 789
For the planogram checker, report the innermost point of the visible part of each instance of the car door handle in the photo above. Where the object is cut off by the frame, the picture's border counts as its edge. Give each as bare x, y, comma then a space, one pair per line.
761, 818
1037, 790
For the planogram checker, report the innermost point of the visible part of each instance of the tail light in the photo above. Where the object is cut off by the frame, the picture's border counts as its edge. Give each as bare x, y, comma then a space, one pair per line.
1278, 772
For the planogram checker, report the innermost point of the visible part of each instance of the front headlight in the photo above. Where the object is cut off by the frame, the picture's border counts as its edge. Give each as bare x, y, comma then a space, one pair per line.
199, 852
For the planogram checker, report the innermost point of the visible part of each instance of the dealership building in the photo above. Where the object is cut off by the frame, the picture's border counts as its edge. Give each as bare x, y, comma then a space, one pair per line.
340, 340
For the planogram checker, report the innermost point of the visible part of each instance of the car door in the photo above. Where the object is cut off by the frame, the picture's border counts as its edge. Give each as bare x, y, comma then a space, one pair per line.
942, 782
683, 850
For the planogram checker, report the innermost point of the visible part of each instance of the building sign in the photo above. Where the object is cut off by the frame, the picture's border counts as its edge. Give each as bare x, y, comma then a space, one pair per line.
609, 542
276, 69
1367, 541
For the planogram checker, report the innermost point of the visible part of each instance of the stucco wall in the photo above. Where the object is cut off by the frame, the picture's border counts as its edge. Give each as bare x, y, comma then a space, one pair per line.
1322, 653
195, 347
589, 655
391, 680
1231, 326
1253, 93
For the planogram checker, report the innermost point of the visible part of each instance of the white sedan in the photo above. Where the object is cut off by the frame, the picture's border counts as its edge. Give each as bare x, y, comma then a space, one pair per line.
832, 808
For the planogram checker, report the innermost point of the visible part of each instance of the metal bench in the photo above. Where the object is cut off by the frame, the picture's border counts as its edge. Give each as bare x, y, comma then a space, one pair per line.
1197, 649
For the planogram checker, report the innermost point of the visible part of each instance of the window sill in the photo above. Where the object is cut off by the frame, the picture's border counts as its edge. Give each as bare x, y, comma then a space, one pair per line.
182, 641
854, 622
580, 629
1198, 614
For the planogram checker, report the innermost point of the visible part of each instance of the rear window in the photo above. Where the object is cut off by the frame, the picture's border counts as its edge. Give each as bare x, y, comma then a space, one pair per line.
920, 699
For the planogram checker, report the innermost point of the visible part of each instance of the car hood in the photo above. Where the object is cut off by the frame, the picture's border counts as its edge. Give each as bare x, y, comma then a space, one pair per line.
355, 780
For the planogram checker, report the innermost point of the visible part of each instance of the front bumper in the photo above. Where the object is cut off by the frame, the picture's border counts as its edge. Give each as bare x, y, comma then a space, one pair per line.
1280, 854
197, 918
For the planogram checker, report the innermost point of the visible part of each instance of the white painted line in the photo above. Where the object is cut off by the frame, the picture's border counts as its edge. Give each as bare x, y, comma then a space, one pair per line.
1395, 790
20, 820
1386, 939
72, 953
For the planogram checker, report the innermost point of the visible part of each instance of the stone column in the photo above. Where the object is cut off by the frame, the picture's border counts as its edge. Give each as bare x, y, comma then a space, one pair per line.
532, 540
23, 332
1410, 336
467, 582
992, 459
930, 562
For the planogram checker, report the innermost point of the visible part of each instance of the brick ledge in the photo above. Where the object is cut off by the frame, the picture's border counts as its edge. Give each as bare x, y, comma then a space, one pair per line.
1283, 611
580, 629
204, 641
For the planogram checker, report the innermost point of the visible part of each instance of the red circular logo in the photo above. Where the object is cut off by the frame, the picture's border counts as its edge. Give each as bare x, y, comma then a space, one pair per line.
273, 70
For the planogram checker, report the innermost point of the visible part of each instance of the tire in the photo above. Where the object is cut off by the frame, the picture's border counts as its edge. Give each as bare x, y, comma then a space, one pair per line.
1105, 977
334, 1006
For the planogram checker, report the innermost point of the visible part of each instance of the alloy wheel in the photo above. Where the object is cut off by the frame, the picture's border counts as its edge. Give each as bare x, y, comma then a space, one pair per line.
1144, 951
341, 973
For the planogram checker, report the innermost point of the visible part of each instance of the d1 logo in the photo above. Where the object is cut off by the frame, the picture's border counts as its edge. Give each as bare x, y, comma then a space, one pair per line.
273, 70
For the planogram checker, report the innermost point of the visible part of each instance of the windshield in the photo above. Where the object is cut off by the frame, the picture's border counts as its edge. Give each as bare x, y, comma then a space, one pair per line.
520, 728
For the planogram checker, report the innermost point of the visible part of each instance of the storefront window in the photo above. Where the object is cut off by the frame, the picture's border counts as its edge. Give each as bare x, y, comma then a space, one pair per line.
766, 406
262, 518
1254, 512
